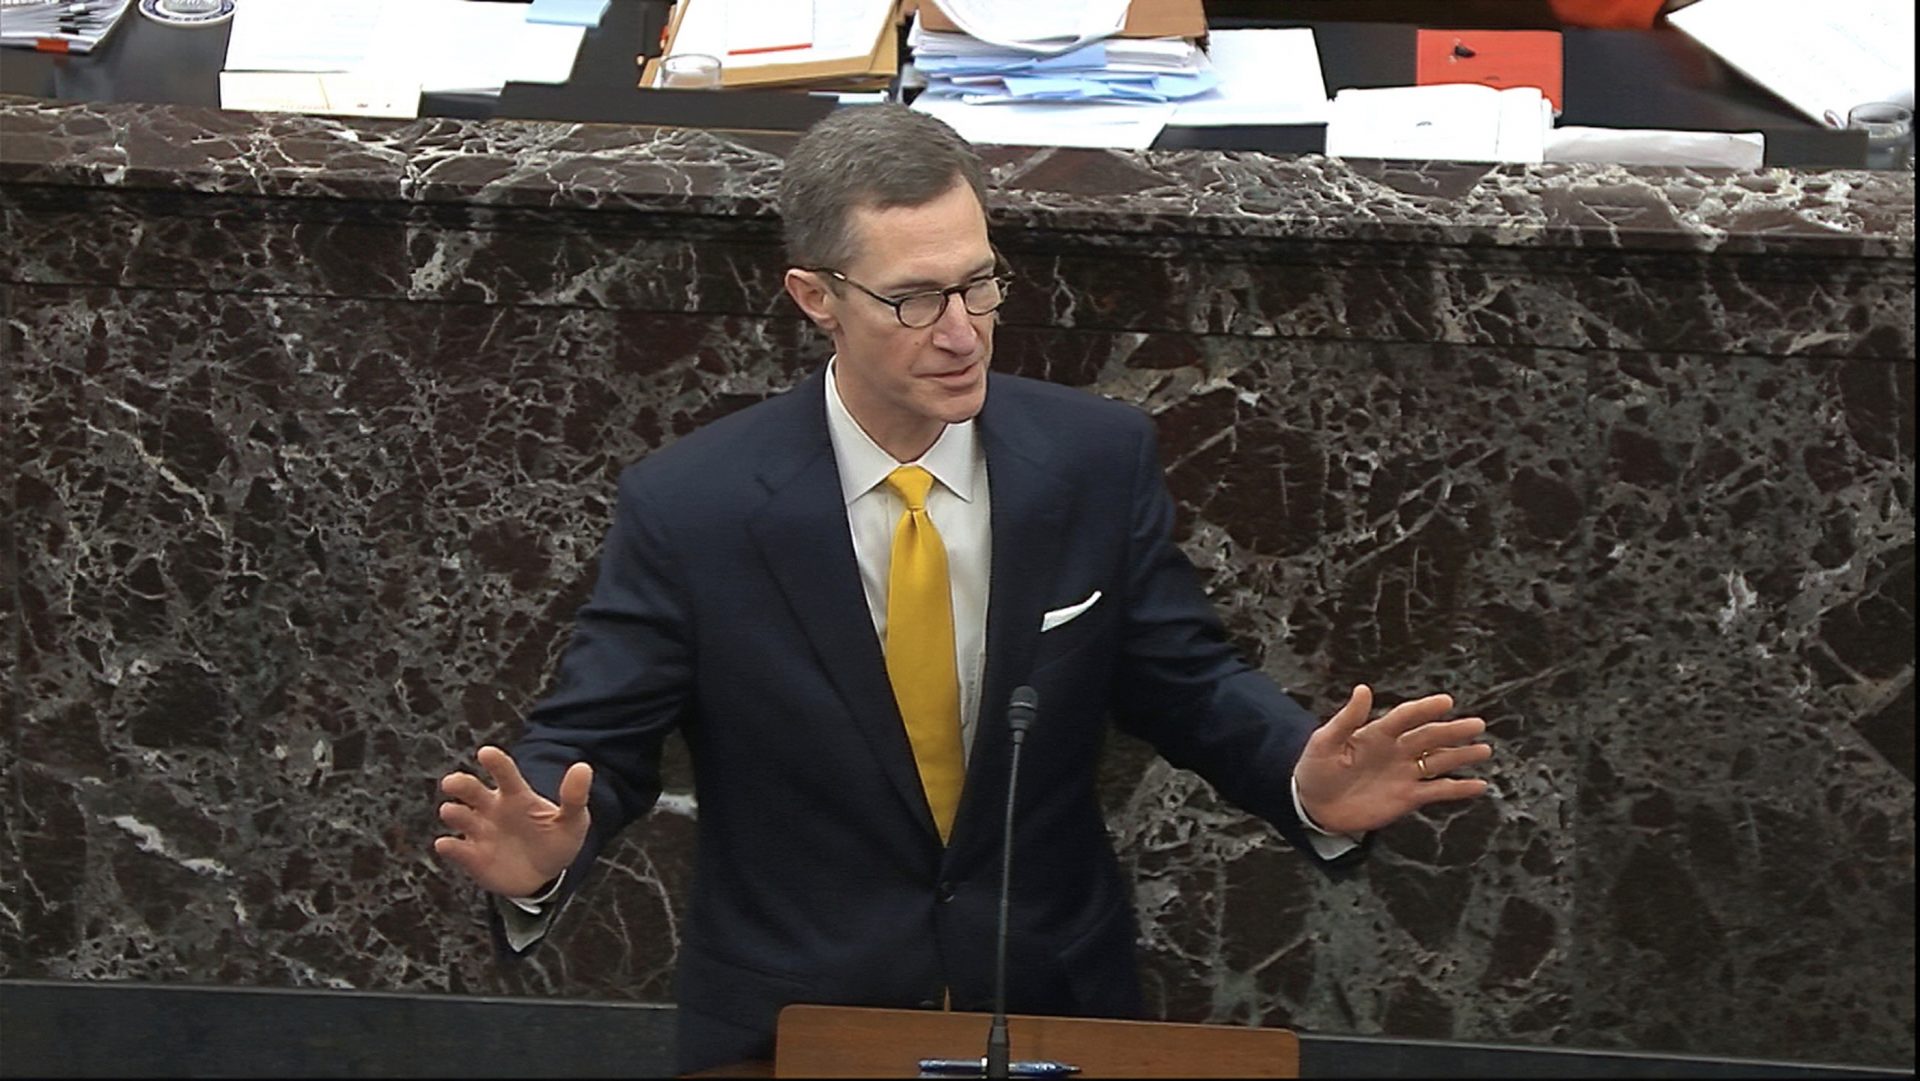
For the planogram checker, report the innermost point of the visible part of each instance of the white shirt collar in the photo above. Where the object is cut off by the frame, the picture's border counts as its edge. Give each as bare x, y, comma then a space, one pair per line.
863, 465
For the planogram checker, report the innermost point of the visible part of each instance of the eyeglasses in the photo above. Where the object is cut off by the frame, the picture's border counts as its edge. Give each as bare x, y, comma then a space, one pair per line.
917, 311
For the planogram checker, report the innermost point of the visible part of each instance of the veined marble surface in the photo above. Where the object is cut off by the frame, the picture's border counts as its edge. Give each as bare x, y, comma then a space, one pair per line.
1188, 194
310, 430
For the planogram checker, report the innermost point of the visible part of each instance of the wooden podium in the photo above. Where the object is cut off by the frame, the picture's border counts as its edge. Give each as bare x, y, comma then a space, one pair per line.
847, 1041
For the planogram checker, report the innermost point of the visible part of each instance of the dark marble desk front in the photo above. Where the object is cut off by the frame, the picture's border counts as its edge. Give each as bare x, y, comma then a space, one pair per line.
310, 434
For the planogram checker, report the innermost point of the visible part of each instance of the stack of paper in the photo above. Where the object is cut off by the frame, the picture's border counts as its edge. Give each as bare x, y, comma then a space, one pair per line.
1117, 70
375, 58
1457, 122
1034, 74
1055, 26
1265, 77
58, 26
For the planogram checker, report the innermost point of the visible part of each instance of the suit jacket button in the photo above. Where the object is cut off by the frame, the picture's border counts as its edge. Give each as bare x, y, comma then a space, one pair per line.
946, 892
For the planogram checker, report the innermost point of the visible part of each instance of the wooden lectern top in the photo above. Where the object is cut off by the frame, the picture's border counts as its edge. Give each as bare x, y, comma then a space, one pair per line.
848, 1041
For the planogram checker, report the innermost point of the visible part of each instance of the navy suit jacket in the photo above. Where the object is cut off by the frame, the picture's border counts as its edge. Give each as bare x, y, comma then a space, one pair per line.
729, 605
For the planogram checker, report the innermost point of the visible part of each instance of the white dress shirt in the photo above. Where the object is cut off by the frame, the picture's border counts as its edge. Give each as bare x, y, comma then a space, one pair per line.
960, 510
961, 513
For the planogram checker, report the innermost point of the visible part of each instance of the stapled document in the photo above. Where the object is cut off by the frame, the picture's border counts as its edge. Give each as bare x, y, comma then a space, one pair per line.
1461, 122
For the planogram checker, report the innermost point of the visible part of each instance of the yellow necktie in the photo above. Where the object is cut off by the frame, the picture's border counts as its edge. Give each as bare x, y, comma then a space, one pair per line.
919, 647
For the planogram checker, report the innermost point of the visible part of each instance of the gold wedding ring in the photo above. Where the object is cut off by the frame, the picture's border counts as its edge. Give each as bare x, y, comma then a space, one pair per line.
1425, 773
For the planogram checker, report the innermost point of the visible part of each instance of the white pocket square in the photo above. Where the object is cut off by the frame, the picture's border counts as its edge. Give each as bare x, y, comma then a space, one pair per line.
1063, 615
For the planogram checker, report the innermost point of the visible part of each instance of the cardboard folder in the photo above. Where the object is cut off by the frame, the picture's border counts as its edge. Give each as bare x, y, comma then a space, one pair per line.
872, 72
1496, 58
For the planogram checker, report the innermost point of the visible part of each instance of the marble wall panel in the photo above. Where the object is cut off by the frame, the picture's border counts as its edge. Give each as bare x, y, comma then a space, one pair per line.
12, 891
1356, 517
1763, 305
276, 578
462, 254
1745, 848
1769, 304
310, 463
276, 569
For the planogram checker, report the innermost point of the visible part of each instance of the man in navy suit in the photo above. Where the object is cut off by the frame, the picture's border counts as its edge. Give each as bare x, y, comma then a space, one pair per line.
850, 749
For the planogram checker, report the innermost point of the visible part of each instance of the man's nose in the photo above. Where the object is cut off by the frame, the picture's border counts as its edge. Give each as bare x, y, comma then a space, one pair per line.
955, 331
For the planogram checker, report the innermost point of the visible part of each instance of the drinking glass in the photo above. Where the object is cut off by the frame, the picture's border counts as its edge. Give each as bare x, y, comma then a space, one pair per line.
1889, 128
690, 71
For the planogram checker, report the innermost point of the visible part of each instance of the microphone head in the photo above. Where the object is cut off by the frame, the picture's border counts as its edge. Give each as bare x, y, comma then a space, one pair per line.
1021, 709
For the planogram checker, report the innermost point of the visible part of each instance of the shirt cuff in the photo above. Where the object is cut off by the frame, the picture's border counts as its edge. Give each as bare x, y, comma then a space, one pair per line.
526, 920
536, 904
1326, 843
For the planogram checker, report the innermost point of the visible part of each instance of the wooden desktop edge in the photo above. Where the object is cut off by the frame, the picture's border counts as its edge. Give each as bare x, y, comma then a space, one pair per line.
853, 1041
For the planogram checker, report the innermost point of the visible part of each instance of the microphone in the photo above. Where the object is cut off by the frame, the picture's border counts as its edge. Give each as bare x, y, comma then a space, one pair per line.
1021, 708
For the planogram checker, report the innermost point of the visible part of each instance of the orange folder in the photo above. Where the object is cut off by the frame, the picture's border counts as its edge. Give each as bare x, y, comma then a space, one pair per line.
1496, 58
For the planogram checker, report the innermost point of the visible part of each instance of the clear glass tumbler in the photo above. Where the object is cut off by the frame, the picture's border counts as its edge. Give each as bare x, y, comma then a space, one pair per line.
1889, 128
690, 71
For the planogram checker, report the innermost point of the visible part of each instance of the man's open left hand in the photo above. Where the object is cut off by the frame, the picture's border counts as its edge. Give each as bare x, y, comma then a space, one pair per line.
1359, 774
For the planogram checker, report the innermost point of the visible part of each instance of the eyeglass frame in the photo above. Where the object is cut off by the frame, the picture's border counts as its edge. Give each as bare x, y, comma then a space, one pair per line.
1001, 274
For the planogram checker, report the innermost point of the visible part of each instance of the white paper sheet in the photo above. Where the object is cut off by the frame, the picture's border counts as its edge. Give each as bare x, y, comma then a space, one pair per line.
1266, 77
1121, 127
1525, 117
451, 46
1652, 146
754, 28
324, 93
1449, 122
301, 35
441, 45
1823, 58
842, 30
1040, 26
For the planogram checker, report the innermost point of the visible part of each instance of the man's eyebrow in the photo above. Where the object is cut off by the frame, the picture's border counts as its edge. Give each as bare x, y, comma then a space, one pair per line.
923, 284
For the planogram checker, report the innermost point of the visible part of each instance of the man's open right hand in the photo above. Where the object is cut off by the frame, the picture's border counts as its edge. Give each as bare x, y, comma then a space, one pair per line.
509, 838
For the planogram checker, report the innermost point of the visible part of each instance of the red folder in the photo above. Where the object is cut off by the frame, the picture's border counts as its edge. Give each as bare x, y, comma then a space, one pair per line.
1496, 58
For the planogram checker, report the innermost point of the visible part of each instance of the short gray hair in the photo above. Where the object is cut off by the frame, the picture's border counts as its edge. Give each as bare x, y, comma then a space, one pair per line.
867, 156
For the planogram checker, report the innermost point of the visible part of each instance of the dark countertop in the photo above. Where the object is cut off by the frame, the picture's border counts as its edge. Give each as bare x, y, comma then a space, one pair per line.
574, 166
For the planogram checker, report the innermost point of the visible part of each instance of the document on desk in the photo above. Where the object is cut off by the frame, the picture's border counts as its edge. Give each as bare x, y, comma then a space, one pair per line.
1045, 26
58, 27
1455, 122
324, 93
1650, 146
443, 46
1822, 58
1151, 70
454, 46
1266, 77
300, 35
769, 28
1082, 124
840, 30
583, 13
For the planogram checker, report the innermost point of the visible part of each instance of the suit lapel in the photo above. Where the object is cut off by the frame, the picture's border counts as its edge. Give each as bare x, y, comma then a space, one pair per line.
802, 534
1029, 517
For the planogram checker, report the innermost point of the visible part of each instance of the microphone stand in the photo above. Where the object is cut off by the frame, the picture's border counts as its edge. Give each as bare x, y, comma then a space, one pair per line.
1020, 713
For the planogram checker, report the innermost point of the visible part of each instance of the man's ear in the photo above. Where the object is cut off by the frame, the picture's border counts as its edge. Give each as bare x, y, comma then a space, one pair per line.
809, 291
